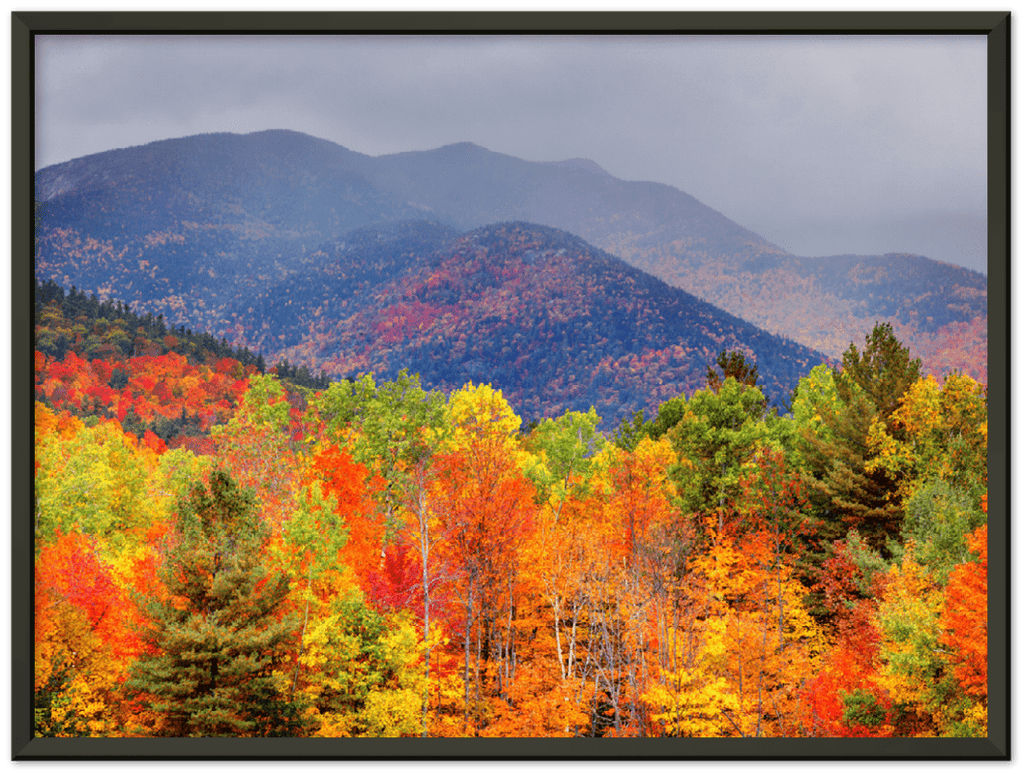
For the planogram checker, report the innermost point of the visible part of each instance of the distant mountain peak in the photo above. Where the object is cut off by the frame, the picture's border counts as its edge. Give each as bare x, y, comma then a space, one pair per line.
583, 164
464, 147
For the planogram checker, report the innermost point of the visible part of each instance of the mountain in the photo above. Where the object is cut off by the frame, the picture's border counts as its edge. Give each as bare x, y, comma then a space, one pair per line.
186, 227
823, 302
554, 322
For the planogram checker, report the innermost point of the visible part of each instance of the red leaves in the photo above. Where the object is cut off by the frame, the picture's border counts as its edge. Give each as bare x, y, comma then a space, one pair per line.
343, 479
396, 584
68, 571
157, 386
965, 618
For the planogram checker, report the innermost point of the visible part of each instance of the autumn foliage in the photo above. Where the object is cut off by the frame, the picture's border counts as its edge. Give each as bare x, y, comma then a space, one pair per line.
415, 563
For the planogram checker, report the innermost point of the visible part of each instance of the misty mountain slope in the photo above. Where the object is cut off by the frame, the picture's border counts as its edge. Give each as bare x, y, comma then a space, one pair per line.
554, 322
336, 280
195, 222
938, 309
472, 186
193, 228
192, 222
824, 303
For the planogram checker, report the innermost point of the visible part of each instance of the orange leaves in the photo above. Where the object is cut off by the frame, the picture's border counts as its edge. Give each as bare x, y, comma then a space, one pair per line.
84, 638
342, 482
71, 572
640, 492
964, 618
340, 476
153, 387
540, 705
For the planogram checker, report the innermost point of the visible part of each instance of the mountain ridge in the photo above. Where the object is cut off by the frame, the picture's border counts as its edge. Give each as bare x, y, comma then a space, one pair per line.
249, 209
554, 322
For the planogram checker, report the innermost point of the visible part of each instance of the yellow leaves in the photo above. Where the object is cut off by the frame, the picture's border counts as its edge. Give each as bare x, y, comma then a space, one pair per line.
393, 713
325, 649
97, 479
480, 409
935, 433
908, 619
334, 724
690, 703
919, 412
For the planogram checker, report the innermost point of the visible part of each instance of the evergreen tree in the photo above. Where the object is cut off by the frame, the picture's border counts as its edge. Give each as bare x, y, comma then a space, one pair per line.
216, 638
850, 493
732, 364
884, 371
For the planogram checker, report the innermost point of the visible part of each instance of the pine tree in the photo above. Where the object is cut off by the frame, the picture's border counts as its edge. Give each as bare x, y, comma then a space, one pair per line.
849, 491
884, 371
733, 364
216, 638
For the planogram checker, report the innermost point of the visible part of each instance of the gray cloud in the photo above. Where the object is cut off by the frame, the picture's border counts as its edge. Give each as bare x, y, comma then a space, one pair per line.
782, 134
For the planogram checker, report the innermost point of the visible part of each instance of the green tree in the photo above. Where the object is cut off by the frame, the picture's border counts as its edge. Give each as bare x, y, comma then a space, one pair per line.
939, 519
567, 445
847, 488
883, 371
846, 493
216, 639
717, 436
732, 364
631, 430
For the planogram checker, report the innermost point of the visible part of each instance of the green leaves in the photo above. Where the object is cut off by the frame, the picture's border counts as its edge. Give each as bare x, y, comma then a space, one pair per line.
216, 641
939, 519
568, 445
389, 427
716, 437
883, 371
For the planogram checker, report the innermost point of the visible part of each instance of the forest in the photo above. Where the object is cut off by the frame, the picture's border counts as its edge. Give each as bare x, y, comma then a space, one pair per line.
230, 548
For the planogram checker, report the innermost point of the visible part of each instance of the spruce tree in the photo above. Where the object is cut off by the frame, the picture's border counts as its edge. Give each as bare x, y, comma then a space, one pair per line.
848, 493
883, 371
732, 364
217, 637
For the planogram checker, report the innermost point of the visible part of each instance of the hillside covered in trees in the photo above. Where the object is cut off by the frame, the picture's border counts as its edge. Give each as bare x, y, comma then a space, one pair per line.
555, 323
370, 558
198, 228
451, 444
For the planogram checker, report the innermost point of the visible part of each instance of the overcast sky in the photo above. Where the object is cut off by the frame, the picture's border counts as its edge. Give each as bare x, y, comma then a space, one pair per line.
822, 145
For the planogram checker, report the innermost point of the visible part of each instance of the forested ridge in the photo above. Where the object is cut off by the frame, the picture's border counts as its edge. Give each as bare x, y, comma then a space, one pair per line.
555, 323
223, 549
199, 229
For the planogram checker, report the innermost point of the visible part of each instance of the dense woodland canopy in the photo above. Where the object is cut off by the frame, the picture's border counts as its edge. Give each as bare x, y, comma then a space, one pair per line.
226, 547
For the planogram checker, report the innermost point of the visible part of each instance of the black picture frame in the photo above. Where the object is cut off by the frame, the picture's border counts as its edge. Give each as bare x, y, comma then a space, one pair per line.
994, 25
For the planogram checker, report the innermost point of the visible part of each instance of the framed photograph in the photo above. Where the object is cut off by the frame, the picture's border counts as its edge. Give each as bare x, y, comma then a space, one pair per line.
510, 385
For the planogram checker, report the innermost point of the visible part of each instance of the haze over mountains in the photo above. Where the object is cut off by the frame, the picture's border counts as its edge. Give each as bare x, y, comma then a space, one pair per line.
240, 235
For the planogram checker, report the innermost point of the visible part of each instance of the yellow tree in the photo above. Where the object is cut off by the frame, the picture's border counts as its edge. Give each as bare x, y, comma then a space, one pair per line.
909, 659
935, 434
